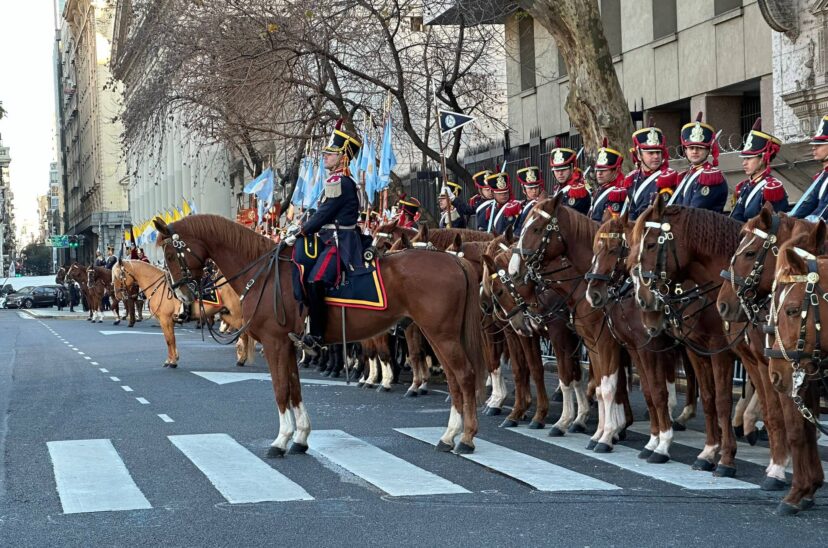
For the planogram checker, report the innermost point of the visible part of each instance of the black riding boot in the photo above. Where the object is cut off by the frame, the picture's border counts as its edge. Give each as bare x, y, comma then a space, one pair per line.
335, 363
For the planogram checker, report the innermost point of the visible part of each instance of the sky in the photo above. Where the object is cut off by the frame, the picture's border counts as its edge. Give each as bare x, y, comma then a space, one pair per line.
27, 92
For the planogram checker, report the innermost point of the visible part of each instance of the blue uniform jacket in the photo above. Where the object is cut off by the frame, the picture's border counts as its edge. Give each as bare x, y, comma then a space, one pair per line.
703, 187
642, 187
749, 200
815, 200
342, 210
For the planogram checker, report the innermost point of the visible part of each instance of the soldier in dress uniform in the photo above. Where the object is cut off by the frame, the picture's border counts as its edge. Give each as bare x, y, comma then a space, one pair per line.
449, 216
611, 183
568, 178
814, 203
703, 185
533, 188
760, 187
504, 209
335, 223
653, 175
476, 206
409, 212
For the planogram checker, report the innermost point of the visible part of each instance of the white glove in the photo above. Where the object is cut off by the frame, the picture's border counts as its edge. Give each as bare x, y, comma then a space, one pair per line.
290, 240
449, 193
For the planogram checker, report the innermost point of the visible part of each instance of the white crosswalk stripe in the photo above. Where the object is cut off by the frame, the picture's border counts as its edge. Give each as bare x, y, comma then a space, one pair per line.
744, 451
627, 458
538, 473
239, 475
91, 477
386, 471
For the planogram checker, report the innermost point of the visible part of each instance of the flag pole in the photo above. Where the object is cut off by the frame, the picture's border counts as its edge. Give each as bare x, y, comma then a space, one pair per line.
439, 133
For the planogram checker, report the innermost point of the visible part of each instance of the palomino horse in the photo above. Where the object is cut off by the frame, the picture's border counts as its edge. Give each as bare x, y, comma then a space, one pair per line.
164, 305
449, 317
553, 255
677, 255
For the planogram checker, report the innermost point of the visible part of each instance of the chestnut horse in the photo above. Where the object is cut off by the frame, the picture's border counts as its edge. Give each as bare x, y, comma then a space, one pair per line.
76, 272
448, 315
678, 254
164, 305
656, 357
552, 256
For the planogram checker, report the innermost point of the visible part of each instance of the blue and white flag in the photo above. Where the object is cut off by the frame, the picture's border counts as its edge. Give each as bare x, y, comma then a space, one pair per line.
301, 182
387, 158
315, 191
370, 171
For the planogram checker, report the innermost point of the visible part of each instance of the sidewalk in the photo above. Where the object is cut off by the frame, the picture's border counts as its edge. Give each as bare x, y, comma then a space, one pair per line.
53, 313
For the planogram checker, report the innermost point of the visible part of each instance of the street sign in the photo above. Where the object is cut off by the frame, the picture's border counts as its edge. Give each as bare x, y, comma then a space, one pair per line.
64, 241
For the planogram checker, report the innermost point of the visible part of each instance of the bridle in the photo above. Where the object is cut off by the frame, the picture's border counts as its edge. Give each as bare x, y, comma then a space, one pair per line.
746, 288
534, 257
618, 275
180, 247
657, 280
810, 302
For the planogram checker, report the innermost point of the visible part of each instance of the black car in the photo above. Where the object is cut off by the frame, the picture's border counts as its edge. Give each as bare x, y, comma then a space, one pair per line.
31, 297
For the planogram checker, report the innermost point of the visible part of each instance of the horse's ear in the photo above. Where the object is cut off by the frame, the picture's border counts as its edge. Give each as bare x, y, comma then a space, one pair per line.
607, 216
554, 202
405, 241
658, 206
766, 214
423, 234
818, 236
793, 261
458, 241
509, 235
489, 263
161, 226
625, 217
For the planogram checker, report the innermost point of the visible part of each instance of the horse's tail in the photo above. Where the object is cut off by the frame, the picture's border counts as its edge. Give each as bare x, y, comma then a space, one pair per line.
472, 337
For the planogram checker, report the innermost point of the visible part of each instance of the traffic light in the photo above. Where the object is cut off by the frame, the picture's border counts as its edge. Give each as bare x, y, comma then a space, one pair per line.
73, 241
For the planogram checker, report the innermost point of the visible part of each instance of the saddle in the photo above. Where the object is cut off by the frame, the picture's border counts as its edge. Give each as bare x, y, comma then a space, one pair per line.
363, 288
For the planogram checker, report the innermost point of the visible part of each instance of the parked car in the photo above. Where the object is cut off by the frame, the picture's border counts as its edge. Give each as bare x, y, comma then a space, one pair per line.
31, 297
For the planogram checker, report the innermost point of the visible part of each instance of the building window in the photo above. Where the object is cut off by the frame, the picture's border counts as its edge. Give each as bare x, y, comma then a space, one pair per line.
664, 18
611, 18
526, 51
417, 24
751, 110
562, 70
722, 6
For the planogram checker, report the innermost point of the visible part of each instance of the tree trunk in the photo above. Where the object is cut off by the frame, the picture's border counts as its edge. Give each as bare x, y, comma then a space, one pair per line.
595, 104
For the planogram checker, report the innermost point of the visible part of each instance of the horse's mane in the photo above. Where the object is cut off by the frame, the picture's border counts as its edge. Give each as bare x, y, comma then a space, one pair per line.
442, 238
216, 228
582, 227
705, 232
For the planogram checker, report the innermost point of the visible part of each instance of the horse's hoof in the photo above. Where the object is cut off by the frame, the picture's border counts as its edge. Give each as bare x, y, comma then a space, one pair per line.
622, 435
787, 509
807, 504
448, 399
131, 325
771, 483
535, 425
602, 448
464, 449
382, 388
763, 436
703, 465
576, 428
724, 471
275, 452
239, 364
166, 364
410, 394
493, 411
116, 323
752, 437
658, 458
508, 423
326, 373
555, 432
172, 365
679, 427
423, 391
297, 449
738, 430
443, 447
645, 454
591, 445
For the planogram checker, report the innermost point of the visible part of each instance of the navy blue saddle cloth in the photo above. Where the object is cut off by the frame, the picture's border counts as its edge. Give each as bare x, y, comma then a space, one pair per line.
363, 288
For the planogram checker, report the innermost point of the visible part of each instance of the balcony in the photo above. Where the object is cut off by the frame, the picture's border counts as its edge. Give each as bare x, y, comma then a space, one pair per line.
472, 12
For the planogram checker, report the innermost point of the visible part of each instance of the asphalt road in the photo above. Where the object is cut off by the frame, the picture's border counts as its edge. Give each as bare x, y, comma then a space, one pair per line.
102, 446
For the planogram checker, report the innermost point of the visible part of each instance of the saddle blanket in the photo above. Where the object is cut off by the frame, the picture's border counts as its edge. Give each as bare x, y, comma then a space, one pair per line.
361, 289
211, 296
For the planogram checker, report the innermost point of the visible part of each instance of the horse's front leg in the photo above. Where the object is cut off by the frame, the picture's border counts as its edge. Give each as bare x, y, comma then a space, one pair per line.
168, 328
278, 354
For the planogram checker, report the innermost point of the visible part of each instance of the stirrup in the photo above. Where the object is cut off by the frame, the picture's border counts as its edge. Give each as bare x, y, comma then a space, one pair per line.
307, 343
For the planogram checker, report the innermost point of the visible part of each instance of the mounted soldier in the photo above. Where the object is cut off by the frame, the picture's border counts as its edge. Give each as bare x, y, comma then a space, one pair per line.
533, 188
449, 216
335, 225
653, 175
610, 193
813, 205
478, 204
111, 259
409, 212
569, 179
703, 185
504, 209
759, 150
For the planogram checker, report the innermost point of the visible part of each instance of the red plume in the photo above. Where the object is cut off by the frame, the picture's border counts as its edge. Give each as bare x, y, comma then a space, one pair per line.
757, 125
699, 116
605, 143
714, 152
338, 124
557, 142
